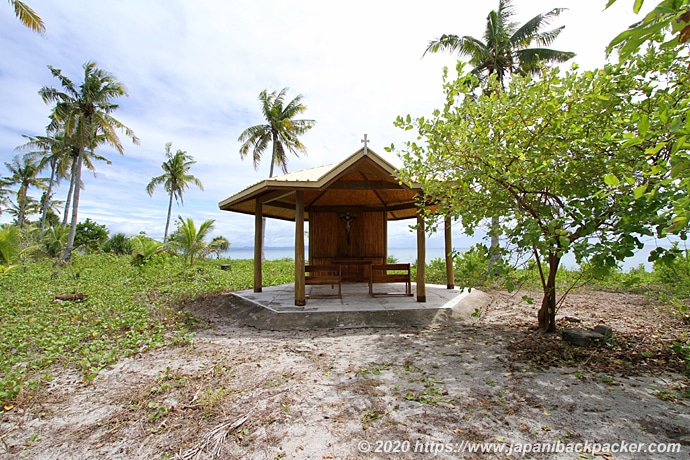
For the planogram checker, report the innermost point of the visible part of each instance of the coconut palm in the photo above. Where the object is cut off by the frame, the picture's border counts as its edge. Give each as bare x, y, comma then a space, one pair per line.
4, 194
281, 131
219, 245
143, 249
53, 152
174, 180
190, 240
85, 114
27, 16
23, 172
506, 49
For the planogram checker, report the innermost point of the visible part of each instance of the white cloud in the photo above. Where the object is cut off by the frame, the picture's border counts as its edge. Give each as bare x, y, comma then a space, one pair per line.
194, 71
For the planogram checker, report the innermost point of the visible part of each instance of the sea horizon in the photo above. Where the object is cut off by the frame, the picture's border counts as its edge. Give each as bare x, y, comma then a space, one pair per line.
409, 255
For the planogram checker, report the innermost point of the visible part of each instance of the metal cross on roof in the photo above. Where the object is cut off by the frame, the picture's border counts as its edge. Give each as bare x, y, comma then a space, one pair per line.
366, 141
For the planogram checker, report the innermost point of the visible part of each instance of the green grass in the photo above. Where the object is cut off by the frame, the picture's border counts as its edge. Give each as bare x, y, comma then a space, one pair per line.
127, 310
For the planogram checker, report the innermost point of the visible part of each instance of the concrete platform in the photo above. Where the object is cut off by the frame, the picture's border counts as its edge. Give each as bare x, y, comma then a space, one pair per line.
275, 309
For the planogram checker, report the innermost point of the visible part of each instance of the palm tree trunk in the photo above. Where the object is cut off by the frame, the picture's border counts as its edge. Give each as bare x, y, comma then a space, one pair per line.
75, 207
21, 201
263, 219
68, 201
49, 193
167, 222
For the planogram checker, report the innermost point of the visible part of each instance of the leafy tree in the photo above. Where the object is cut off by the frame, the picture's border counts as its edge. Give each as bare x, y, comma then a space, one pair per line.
85, 114
190, 240
90, 235
506, 49
667, 61
281, 131
27, 16
668, 16
175, 179
23, 172
560, 166
118, 244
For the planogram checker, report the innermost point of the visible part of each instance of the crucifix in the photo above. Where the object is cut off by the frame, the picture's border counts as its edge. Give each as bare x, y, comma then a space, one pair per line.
366, 141
347, 218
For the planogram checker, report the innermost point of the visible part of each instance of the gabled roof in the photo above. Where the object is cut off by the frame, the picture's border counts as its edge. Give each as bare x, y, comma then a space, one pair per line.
362, 182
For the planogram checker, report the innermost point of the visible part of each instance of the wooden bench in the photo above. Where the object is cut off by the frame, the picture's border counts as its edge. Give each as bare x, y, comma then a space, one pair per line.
316, 275
382, 274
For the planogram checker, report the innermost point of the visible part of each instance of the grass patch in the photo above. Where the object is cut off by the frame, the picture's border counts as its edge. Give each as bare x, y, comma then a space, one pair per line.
127, 310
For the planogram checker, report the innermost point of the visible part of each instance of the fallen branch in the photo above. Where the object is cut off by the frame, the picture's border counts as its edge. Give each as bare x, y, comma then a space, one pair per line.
216, 437
77, 296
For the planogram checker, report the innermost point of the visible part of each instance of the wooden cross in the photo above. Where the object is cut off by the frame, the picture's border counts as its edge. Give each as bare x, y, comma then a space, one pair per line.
366, 141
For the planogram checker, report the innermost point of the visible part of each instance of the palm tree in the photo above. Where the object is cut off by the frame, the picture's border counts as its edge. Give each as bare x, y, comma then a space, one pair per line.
506, 49
84, 112
175, 179
219, 245
4, 192
54, 152
23, 173
281, 131
191, 240
27, 16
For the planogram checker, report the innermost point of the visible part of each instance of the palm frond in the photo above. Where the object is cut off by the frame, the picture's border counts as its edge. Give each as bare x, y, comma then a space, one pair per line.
449, 43
531, 57
529, 31
28, 17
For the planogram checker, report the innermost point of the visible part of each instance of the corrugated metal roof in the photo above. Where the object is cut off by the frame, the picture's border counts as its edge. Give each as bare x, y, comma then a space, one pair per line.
365, 181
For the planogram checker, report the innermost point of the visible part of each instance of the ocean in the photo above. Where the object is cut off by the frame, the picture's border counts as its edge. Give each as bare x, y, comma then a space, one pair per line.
409, 255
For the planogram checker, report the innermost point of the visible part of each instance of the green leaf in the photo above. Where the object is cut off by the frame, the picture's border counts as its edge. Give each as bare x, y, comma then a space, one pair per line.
637, 6
611, 180
640, 191
643, 125
631, 142
654, 150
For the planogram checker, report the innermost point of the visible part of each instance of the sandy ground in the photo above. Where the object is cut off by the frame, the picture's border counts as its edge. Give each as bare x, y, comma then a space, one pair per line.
238, 392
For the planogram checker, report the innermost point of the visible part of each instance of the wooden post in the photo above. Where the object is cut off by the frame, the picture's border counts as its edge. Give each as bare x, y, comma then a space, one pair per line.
450, 269
421, 259
300, 294
258, 238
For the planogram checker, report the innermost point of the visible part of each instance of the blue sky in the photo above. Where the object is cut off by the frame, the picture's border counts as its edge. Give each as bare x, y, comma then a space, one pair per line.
194, 71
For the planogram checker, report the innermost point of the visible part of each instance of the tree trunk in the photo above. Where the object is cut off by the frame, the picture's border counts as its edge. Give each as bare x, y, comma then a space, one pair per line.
547, 312
75, 206
167, 222
494, 250
21, 201
263, 219
49, 193
70, 192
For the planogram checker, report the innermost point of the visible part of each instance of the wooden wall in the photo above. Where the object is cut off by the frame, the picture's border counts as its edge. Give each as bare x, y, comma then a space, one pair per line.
328, 237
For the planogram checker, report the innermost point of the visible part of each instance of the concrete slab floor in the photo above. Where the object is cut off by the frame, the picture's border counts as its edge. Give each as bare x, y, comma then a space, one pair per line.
355, 297
274, 308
